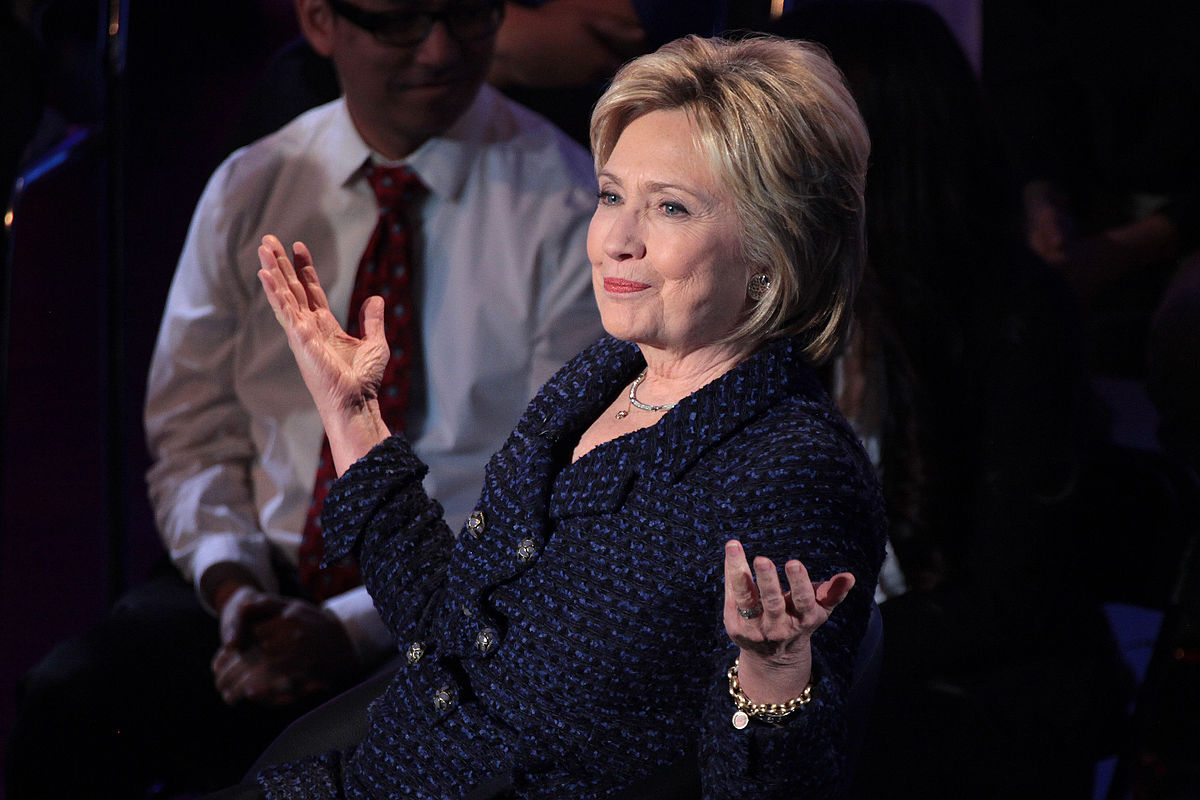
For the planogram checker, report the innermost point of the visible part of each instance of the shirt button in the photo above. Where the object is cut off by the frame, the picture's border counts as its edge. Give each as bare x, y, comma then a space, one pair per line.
485, 640
527, 549
415, 651
475, 524
443, 698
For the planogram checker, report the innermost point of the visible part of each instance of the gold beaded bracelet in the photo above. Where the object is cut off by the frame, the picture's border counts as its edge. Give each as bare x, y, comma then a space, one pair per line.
773, 713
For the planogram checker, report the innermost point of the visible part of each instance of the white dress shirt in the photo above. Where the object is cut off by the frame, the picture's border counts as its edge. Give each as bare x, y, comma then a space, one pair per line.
503, 296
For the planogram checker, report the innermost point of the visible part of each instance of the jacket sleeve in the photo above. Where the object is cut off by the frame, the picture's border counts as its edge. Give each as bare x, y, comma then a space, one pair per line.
378, 511
817, 501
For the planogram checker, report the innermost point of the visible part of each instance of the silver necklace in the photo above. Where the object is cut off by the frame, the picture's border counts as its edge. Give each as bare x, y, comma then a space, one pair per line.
638, 403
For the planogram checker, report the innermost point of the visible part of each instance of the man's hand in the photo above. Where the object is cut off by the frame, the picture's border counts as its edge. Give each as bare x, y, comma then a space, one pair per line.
276, 650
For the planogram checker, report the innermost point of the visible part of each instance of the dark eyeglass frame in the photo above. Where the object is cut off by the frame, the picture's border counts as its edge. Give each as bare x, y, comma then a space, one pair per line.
387, 26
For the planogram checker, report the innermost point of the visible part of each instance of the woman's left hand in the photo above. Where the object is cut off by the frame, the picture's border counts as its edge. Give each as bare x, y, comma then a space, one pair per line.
772, 627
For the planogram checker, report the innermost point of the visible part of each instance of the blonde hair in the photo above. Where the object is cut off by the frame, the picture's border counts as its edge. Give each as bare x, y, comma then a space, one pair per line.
782, 131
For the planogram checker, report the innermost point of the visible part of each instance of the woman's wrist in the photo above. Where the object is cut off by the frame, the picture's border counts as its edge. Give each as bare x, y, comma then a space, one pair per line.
772, 713
353, 432
773, 680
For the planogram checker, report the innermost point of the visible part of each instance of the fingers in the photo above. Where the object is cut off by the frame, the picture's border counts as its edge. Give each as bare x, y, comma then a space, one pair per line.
222, 661
740, 591
229, 673
273, 258
240, 675
314, 292
370, 319
800, 588
290, 288
814, 602
833, 591
239, 627
745, 591
273, 277
770, 593
300, 254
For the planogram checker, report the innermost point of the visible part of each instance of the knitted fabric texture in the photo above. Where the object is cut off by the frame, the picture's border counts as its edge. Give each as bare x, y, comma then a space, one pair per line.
573, 640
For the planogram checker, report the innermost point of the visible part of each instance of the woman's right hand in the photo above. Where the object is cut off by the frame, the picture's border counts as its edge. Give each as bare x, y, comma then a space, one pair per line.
343, 373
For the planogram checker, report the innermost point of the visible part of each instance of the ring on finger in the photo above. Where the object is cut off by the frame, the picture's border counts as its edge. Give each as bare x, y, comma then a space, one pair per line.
750, 613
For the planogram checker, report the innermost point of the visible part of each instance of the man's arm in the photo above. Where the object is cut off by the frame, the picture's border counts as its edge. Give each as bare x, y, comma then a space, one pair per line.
197, 430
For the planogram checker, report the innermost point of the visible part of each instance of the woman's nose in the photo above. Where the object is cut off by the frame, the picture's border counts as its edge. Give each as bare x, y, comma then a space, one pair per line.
625, 237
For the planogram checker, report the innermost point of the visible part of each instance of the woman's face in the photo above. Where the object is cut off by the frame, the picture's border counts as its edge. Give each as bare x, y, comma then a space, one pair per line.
666, 257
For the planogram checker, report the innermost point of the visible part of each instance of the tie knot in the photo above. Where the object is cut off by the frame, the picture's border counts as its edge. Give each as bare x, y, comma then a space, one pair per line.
392, 185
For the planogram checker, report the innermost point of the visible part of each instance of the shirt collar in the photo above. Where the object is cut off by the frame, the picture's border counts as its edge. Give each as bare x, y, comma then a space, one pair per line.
347, 150
443, 163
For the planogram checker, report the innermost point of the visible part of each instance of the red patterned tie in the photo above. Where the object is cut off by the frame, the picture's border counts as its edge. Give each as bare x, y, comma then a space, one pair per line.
384, 271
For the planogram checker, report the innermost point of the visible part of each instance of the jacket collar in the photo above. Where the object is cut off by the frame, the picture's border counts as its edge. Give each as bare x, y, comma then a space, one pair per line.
662, 453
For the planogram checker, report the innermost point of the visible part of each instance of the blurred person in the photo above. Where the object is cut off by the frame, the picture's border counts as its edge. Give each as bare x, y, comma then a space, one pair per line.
965, 377
1105, 154
554, 56
196, 670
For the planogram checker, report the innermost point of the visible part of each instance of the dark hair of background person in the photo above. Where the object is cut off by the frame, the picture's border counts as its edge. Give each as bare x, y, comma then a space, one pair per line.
943, 226
986, 435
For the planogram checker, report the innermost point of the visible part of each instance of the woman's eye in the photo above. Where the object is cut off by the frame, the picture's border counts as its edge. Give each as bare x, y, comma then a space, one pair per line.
607, 198
673, 209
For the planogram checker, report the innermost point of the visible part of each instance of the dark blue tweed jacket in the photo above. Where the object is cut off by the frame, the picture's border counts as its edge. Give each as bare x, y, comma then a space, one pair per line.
572, 640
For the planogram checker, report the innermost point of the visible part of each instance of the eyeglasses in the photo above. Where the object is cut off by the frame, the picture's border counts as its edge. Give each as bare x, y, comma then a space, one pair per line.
465, 21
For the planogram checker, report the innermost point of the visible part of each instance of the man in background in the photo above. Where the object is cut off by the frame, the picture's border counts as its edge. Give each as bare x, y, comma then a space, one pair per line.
196, 670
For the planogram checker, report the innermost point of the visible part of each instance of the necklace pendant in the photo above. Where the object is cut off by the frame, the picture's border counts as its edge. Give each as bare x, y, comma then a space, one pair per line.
622, 414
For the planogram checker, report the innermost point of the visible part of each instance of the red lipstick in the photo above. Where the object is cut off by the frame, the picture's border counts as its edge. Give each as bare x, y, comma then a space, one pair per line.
622, 286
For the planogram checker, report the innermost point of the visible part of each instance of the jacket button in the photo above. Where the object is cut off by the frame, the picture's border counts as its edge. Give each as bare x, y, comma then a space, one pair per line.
415, 651
527, 549
444, 698
475, 524
485, 640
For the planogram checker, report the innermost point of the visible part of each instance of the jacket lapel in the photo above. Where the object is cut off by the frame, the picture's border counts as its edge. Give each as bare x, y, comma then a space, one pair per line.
662, 453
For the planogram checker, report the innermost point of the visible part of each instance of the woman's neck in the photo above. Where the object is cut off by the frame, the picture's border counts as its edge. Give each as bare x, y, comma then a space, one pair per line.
670, 377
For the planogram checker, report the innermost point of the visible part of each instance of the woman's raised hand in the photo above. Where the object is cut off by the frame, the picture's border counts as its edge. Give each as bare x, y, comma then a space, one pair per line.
343, 373
773, 627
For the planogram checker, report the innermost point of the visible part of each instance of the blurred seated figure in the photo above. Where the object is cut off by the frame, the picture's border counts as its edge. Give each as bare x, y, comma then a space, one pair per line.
1107, 154
964, 375
420, 182
1094, 263
554, 56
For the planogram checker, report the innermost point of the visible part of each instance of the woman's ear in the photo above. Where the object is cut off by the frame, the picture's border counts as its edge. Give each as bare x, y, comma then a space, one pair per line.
316, 21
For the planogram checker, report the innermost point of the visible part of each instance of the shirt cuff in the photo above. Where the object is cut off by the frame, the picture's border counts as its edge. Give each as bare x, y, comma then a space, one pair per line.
366, 629
228, 548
